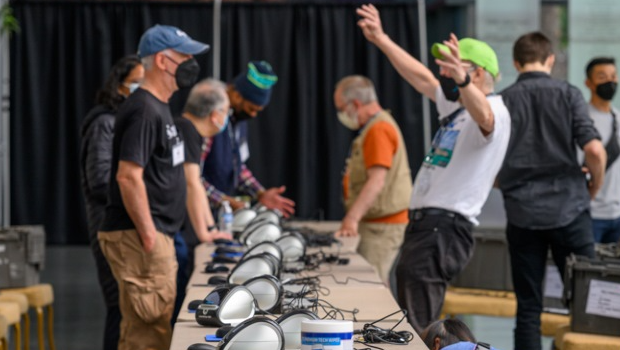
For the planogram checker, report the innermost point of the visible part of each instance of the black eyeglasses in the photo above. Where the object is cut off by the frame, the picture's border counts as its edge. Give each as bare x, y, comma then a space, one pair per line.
228, 113
482, 346
172, 59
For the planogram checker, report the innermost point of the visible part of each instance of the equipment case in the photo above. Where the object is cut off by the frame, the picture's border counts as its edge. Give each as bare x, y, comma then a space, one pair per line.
22, 255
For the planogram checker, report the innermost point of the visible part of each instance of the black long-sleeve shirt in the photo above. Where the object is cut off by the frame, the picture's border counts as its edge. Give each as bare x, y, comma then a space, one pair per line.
541, 180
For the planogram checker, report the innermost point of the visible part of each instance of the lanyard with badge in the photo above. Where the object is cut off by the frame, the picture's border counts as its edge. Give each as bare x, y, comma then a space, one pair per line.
178, 149
237, 158
442, 146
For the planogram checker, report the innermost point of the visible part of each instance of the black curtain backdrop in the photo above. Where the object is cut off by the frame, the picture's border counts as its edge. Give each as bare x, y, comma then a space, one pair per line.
65, 50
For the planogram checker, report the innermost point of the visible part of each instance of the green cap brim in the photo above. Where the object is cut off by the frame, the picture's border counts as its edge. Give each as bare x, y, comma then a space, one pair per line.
437, 48
481, 54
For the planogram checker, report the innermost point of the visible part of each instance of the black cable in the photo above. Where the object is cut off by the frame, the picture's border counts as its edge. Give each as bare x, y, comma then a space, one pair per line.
312, 280
346, 281
307, 293
369, 347
331, 309
375, 334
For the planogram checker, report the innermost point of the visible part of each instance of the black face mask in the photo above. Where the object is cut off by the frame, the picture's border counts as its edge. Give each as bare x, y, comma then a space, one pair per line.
187, 73
449, 88
607, 90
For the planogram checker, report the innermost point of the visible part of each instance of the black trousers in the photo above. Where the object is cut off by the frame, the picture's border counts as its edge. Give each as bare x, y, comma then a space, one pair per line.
436, 248
528, 257
109, 288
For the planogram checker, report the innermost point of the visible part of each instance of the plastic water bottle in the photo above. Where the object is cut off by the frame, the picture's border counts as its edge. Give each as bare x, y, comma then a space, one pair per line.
225, 217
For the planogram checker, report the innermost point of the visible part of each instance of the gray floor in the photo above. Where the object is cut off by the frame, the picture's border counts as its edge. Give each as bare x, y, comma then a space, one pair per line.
79, 310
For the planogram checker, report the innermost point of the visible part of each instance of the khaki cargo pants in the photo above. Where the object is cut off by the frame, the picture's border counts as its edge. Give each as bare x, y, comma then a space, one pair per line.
147, 288
380, 244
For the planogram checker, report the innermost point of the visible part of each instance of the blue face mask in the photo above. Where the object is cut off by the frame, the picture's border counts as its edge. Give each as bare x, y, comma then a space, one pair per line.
133, 87
222, 127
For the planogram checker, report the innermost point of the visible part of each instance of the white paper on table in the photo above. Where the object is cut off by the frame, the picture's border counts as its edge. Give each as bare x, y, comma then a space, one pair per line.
553, 282
603, 299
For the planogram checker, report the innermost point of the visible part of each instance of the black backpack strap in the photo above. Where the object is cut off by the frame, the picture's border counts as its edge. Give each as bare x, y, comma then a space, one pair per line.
612, 147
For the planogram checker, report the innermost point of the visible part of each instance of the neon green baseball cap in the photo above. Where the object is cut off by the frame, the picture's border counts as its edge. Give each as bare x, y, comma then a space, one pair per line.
476, 51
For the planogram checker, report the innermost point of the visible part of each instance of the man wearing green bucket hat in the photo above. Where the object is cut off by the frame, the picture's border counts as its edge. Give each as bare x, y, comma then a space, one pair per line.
459, 169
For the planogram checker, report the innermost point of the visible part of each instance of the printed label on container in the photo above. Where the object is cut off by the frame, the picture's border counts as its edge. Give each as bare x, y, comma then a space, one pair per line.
326, 341
604, 299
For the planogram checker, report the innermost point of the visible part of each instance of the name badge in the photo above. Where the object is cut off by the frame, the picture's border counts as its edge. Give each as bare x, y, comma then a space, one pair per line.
244, 152
178, 154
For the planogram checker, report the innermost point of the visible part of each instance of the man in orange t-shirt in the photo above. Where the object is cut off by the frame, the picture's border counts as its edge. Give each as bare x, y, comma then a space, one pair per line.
377, 180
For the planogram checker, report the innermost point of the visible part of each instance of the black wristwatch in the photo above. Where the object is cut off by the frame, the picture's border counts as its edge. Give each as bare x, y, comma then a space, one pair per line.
211, 228
466, 82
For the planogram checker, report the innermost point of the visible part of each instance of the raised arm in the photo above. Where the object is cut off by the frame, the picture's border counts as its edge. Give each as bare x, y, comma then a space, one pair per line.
412, 70
472, 97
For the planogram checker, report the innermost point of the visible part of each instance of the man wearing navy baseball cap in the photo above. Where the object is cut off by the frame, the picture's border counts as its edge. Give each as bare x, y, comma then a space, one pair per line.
146, 201
225, 173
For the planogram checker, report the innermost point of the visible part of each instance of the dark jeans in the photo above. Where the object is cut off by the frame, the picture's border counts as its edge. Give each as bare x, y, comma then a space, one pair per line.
182, 254
109, 288
436, 248
528, 258
606, 231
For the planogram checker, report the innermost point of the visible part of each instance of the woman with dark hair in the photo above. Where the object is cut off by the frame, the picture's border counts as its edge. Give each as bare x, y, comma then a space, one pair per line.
95, 158
442, 333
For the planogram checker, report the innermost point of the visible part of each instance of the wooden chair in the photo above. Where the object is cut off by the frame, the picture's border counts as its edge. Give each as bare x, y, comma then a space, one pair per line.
565, 339
464, 301
11, 312
3, 331
22, 301
40, 297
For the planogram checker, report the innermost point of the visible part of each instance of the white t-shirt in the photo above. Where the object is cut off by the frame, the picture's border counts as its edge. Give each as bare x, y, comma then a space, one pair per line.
458, 172
606, 205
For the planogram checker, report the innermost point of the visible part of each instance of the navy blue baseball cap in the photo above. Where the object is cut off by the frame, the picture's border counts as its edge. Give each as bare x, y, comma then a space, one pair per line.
161, 37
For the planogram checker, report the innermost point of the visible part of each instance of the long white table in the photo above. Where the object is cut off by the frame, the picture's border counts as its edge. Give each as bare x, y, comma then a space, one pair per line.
355, 285
186, 334
372, 303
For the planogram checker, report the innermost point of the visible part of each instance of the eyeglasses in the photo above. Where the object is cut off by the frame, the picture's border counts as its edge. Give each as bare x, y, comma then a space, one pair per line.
171, 59
482, 346
228, 113
343, 108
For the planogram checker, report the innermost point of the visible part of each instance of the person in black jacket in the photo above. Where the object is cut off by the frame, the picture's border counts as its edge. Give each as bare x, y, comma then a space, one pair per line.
546, 194
95, 157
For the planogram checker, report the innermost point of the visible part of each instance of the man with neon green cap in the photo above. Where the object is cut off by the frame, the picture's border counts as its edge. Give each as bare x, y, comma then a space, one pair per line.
459, 169
225, 174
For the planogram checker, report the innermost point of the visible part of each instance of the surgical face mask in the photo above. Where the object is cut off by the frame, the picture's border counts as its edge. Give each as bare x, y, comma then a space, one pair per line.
607, 90
222, 127
350, 122
449, 88
187, 72
132, 87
